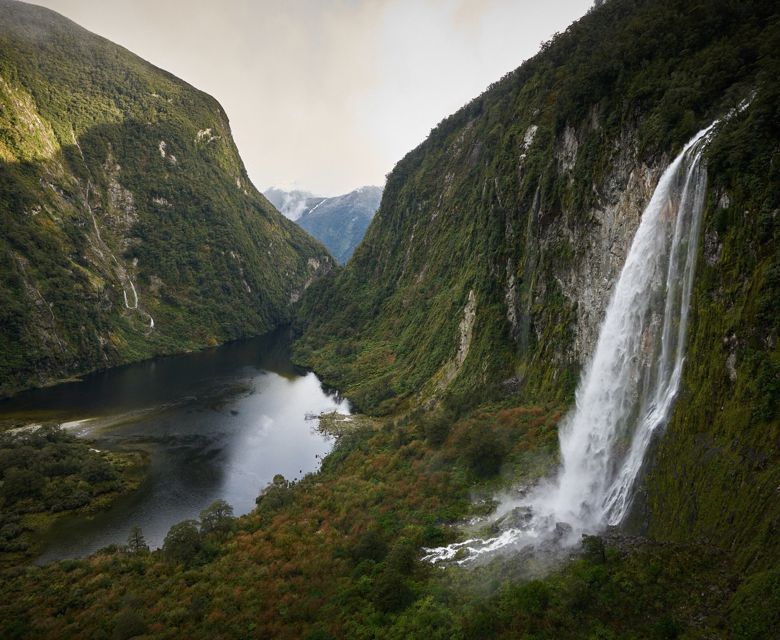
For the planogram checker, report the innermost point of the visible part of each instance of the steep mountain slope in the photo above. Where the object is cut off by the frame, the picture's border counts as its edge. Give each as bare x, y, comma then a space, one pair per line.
130, 227
339, 222
487, 269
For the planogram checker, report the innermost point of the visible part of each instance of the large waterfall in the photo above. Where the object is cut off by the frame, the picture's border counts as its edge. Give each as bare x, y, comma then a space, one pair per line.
630, 384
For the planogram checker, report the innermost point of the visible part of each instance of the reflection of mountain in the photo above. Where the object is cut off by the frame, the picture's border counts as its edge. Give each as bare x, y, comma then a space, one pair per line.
339, 222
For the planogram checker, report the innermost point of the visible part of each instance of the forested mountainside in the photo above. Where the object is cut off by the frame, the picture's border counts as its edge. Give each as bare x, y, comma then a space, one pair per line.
487, 269
130, 227
462, 323
339, 222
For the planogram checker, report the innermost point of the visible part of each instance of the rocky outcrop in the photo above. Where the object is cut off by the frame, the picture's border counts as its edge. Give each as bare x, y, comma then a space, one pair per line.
465, 334
599, 254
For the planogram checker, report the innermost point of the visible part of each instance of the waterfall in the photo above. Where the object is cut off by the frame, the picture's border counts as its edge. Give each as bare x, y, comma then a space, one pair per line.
629, 386
631, 383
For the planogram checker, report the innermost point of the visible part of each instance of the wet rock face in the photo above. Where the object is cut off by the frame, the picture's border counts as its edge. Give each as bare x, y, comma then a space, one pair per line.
604, 253
578, 252
517, 518
567, 153
600, 252
562, 529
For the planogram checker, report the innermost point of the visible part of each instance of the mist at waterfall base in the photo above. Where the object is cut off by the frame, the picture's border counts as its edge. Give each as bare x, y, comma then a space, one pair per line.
628, 388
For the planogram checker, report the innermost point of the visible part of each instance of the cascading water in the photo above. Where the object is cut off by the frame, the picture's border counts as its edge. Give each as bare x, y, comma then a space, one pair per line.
630, 384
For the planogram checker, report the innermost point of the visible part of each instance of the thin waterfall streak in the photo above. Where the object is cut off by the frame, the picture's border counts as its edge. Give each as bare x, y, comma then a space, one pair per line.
671, 284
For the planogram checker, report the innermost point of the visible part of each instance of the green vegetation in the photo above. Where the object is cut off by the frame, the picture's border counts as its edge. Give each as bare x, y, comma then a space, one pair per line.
336, 555
336, 550
196, 541
44, 472
456, 327
717, 469
477, 208
118, 179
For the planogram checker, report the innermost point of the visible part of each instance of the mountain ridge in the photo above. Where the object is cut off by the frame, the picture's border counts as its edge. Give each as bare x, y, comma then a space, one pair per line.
339, 222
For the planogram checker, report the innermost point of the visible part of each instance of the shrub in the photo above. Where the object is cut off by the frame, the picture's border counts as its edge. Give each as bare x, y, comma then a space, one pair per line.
483, 452
436, 429
20, 484
391, 592
275, 496
371, 546
128, 624
593, 549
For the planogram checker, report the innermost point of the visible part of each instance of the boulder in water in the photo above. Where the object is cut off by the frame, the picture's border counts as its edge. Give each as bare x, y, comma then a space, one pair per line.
517, 518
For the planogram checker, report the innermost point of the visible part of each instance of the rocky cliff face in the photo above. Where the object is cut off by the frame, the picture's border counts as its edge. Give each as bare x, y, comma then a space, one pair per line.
532, 194
598, 255
130, 227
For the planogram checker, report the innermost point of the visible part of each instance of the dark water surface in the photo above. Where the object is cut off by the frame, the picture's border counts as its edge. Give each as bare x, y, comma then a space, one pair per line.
216, 424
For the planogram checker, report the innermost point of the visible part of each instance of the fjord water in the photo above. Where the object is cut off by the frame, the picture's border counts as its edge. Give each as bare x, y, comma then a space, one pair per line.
215, 424
630, 384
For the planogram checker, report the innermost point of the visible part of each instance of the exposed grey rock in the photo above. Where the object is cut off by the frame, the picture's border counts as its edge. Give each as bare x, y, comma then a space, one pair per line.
599, 255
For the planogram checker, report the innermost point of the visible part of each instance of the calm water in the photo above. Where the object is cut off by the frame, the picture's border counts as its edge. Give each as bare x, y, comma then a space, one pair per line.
216, 424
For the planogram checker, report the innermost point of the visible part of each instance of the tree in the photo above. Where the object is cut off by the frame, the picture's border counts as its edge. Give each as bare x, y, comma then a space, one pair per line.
484, 452
276, 494
136, 543
96, 470
437, 428
370, 546
593, 549
391, 593
216, 518
182, 542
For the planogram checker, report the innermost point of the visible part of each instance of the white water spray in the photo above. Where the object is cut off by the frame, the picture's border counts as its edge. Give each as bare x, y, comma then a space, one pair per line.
630, 385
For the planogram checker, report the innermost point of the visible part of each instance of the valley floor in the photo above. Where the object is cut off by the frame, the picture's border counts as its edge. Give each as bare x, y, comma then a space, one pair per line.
336, 555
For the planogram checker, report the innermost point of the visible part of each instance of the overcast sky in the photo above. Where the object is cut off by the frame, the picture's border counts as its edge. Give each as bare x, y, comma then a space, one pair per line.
327, 95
